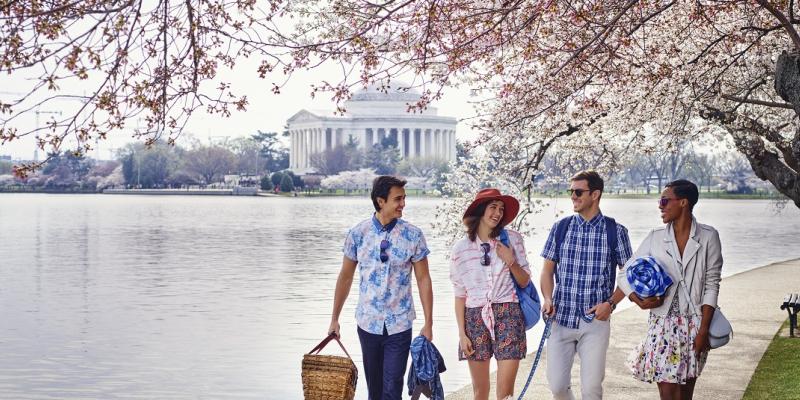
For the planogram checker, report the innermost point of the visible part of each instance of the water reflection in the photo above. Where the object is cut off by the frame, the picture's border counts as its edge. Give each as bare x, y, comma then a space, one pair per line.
219, 297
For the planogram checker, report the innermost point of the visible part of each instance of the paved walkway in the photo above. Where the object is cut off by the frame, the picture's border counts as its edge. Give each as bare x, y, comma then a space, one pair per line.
751, 302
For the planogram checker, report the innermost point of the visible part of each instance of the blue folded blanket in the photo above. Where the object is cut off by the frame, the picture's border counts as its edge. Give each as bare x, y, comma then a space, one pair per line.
648, 278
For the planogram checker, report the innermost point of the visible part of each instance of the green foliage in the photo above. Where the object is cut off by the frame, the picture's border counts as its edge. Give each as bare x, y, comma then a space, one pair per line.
354, 155
67, 170
148, 167
384, 157
276, 178
296, 180
210, 163
331, 162
286, 184
266, 183
275, 156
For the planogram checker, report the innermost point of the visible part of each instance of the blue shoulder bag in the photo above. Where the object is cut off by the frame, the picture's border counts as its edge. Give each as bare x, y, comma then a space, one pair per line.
528, 297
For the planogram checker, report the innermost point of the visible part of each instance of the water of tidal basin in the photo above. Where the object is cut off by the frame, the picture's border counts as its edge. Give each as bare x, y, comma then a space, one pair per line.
218, 297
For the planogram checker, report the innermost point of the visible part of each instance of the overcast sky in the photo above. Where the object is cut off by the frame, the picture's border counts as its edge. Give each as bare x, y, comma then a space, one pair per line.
266, 111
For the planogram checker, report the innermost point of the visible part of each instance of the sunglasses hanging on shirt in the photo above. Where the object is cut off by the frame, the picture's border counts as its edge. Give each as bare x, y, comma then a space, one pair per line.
384, 254
485, 260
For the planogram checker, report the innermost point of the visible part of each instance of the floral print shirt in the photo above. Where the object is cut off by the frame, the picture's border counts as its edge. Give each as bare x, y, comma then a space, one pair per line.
384, 288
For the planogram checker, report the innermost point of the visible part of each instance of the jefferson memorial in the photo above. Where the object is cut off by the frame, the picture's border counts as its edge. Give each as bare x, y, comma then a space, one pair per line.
371, 115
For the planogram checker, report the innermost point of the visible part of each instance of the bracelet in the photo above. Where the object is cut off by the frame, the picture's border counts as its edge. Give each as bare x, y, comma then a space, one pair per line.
611, 302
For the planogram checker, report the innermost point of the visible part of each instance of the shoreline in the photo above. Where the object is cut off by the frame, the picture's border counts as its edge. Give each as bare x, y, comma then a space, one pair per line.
250, 191
751, 302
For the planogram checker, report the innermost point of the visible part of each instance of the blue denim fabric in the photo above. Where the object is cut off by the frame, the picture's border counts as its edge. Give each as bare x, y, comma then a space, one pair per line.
426, 365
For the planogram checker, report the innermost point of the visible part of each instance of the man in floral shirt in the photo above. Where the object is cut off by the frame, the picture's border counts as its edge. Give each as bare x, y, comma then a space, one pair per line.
385, 249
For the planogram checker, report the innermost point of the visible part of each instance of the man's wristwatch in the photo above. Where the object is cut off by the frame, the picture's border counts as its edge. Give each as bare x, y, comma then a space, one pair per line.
611, 302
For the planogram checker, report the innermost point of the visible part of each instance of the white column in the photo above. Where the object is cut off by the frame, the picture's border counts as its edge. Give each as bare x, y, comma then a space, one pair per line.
317, 146
300, 150
299, 136
300, 147
315, 141
309, 146
424, 142
447, 144
291, 149
297, 144
400, 145
412, 145
293, 153
452, 150
435, 143
437, 139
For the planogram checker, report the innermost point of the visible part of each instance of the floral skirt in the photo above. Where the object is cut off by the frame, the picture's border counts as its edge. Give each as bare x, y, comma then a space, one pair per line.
509, 333
667, 352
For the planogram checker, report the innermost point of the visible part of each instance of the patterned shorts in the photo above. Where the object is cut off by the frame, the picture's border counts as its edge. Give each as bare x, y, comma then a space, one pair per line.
509, 333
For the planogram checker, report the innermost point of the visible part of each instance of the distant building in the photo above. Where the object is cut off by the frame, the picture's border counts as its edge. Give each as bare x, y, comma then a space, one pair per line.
372, 115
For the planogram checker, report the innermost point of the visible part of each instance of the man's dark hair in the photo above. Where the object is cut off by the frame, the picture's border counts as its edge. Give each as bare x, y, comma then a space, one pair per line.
590, 176
381, 187
685, 189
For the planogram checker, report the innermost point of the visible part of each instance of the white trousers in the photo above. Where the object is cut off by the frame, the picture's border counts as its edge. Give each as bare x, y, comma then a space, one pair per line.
590, 341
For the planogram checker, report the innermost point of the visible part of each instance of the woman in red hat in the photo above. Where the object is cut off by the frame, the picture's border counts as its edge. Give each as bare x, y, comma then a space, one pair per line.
490, 321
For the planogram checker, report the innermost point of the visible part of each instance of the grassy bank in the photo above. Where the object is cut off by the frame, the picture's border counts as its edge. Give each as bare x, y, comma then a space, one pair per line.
778, 373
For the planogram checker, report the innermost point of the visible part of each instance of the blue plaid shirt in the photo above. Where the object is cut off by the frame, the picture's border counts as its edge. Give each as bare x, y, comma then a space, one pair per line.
384, 288
585, 274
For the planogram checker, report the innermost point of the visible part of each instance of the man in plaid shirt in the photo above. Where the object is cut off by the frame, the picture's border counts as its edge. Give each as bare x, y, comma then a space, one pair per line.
583, 263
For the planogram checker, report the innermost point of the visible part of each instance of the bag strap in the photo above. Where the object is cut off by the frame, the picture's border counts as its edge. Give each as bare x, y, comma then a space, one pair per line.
325, 342
504, 240
561, 235
611, 238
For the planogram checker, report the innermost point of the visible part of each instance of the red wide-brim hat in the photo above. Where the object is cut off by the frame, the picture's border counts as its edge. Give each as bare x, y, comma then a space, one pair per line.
485, 195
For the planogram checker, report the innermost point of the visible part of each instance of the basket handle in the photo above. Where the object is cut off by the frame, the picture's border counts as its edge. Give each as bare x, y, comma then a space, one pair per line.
325, 342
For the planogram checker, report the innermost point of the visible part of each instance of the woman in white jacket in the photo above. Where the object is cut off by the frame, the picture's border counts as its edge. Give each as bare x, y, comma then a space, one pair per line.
676, 346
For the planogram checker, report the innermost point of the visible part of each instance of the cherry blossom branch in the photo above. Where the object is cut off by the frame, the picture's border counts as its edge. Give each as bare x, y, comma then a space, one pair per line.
787, 25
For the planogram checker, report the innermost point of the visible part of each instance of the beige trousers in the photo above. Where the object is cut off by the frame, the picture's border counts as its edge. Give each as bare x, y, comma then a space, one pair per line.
590, 341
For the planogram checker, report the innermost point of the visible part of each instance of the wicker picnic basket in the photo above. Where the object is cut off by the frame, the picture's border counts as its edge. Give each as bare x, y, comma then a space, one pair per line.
329, 377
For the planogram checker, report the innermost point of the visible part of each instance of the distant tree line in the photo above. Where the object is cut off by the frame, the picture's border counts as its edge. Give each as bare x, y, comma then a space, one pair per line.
160, 165
720, 170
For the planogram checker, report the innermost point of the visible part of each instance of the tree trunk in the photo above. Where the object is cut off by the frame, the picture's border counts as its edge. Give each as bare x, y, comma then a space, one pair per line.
766, 162
767, 165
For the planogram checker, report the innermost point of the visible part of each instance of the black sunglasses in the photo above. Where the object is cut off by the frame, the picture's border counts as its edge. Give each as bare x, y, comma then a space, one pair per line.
662, 202
384, 247
485, 259
578, 192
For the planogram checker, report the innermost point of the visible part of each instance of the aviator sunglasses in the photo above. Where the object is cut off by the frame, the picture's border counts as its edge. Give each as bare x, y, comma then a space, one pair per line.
384, 246
485, 259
